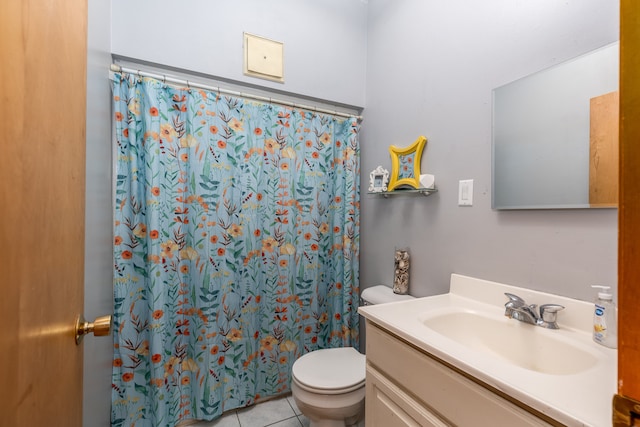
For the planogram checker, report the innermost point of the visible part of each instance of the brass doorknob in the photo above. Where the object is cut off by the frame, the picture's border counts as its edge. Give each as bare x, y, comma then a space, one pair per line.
99, 327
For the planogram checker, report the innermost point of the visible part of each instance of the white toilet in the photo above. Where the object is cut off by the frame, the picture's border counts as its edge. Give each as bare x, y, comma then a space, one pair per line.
328, 385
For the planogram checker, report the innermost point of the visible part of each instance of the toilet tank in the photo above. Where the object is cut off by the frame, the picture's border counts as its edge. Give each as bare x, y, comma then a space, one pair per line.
380, 294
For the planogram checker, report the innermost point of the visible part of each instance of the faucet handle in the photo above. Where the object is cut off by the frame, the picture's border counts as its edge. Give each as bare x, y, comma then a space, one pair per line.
550, 308
549, 313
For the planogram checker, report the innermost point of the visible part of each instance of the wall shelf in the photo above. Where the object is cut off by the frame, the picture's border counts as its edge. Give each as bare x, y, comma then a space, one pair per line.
407, 192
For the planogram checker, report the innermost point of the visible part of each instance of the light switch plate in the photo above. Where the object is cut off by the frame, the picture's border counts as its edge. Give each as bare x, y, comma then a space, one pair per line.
263, 58
465, 192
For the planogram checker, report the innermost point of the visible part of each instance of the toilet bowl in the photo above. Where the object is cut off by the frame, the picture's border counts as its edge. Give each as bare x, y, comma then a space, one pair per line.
328, 385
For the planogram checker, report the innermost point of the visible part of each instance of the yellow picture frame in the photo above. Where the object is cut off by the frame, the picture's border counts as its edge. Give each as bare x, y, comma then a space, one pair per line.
405, 164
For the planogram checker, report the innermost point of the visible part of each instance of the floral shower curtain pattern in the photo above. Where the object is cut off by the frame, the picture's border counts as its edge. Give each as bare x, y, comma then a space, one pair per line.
236, 248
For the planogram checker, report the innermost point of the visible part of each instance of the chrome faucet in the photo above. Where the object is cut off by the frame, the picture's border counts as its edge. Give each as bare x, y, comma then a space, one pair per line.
516, 308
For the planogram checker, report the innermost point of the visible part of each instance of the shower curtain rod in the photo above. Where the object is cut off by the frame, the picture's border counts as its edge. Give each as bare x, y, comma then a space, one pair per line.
117, 68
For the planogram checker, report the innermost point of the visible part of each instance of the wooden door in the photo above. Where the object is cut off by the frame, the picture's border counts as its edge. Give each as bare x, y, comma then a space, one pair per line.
625, 411
42, 174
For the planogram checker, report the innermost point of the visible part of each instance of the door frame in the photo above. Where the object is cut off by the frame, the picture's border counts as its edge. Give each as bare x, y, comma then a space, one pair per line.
629, 204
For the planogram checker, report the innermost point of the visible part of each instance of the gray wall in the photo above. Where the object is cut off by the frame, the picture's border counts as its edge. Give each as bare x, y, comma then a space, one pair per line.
324, 41
98, 293
431, 67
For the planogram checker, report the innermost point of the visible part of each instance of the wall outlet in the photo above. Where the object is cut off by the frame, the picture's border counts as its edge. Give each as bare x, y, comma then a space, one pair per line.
465, 192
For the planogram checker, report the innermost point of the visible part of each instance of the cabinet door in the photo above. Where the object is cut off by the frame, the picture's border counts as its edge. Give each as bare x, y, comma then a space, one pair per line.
389, 406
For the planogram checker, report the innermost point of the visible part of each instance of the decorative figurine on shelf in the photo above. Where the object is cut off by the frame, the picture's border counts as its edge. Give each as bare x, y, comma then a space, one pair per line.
405, 164
401, 272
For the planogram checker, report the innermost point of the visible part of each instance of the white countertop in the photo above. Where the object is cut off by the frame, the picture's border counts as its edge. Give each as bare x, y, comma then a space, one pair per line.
579, 399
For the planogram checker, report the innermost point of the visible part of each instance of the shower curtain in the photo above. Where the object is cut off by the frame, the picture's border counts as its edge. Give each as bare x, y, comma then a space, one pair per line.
236, 244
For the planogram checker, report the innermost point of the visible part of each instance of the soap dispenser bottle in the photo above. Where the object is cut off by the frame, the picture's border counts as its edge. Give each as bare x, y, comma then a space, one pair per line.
605, 322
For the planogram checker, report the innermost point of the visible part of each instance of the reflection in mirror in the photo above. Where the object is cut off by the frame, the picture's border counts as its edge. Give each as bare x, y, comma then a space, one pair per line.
555, 136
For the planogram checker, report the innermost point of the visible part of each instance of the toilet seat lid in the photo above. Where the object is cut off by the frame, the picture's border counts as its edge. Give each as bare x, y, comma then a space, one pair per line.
331, 369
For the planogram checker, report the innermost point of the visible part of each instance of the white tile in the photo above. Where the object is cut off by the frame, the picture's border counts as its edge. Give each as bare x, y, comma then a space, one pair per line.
228, 420
289, 422
292, 402
265, 413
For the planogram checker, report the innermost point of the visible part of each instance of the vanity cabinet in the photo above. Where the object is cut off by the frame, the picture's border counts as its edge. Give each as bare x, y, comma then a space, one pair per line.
408, 387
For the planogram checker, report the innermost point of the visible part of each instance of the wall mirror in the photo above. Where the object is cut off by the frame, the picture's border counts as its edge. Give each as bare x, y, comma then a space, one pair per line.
555, 136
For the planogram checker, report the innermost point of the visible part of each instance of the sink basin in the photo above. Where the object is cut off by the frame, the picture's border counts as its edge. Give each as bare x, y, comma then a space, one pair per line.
527, 346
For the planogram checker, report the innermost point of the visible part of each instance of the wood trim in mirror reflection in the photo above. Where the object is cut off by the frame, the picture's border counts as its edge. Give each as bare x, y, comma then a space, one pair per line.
603, 150
401, 173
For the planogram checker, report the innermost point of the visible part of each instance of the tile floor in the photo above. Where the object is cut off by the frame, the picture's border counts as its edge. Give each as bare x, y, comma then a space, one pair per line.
281, 412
